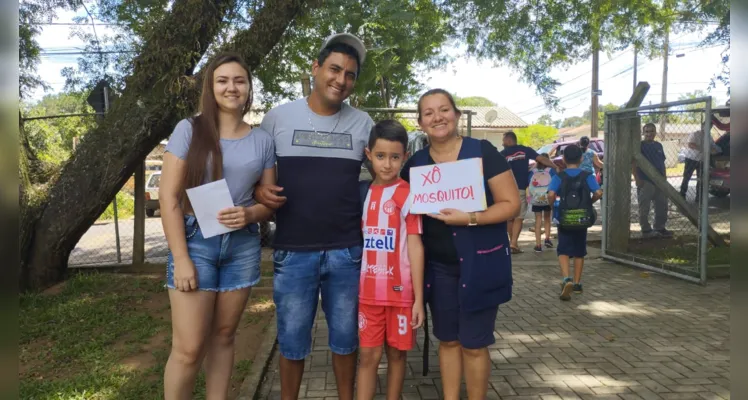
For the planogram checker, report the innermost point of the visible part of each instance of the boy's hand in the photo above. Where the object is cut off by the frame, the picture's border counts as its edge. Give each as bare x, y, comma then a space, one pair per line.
416, 320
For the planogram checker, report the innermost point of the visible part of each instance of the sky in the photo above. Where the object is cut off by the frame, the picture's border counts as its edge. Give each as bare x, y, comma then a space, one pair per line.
467, 77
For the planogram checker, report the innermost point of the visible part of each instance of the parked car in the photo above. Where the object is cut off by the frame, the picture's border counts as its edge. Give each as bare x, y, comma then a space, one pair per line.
555, 152
719, 173
151, 194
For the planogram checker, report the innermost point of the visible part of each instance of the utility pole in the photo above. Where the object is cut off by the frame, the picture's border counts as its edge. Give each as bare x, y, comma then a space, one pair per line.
593, 108
666, 50
636, 51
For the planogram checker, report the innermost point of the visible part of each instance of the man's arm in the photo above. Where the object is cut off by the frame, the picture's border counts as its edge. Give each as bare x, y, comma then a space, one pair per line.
546, 161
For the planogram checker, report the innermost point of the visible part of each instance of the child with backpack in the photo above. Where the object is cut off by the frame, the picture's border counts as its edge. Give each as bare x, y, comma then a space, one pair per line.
578, 190
540, 179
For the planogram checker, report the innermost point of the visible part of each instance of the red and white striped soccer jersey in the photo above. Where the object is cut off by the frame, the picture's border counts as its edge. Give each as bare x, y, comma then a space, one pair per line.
385, 267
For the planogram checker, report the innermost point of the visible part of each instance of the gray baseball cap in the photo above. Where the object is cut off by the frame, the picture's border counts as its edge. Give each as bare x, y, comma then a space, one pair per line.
350, 40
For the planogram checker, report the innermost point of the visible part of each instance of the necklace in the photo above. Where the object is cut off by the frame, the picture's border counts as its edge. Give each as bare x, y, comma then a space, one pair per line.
309, 115
439, 160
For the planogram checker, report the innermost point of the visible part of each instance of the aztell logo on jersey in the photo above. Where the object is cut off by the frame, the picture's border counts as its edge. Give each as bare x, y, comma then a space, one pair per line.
379, 239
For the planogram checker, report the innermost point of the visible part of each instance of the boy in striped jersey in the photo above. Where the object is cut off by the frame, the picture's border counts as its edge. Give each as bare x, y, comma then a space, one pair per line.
391, 288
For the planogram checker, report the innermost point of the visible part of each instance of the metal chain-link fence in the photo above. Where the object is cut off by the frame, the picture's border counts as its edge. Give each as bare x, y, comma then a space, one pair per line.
678, 221
110, 241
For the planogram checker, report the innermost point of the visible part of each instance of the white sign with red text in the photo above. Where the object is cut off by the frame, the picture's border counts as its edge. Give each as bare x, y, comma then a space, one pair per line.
457, 185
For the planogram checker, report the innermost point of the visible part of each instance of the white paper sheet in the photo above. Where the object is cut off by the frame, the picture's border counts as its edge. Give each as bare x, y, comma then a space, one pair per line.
207, 200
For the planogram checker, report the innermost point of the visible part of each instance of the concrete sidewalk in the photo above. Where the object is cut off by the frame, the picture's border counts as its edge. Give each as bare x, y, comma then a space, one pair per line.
631, 335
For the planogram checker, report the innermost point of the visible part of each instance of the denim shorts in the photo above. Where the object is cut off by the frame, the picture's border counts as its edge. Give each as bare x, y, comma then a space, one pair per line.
299, 279
224, 262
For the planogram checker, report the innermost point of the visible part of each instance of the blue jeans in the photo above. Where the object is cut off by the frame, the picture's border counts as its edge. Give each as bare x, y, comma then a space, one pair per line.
299, 278
224, 262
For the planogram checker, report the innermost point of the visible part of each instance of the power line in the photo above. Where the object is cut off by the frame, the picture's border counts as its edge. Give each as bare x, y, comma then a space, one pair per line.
77, 53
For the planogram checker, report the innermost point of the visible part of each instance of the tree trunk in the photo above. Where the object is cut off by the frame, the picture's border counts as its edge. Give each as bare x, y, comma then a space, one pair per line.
160, 91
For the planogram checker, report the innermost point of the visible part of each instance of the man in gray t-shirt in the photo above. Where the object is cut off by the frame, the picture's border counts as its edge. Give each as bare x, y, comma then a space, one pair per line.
319, 144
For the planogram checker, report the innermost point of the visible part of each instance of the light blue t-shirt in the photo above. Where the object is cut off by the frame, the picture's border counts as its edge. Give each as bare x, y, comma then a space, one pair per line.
244, 159
587, 164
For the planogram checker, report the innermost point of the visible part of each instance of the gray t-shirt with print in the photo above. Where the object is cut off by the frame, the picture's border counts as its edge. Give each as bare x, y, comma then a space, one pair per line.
244, 159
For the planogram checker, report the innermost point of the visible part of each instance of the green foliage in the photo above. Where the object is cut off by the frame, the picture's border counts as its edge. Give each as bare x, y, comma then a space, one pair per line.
409, 124
473, 101
601, 110
536, 135
51, 140
125, 207
546, 119
30, 14
403, 38
573, 122
533, 37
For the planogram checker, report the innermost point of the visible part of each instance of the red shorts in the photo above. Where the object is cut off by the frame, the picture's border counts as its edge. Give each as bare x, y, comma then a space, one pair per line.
377, 322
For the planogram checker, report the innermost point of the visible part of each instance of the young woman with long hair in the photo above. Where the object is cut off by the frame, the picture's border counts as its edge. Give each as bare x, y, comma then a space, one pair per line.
209, 279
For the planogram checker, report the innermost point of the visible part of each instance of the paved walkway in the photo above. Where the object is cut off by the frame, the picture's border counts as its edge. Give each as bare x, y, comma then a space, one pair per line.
631, 335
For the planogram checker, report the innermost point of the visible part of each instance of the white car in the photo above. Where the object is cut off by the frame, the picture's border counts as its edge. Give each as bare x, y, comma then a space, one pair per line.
151, 194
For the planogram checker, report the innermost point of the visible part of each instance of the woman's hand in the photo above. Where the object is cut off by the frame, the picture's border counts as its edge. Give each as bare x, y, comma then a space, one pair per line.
185, 275
235, 217
451, 216
416, 320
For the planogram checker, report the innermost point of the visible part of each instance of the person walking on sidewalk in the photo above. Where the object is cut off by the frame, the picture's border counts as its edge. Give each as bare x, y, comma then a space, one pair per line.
646, 192
694, 155
590, 161
320, 144
391, 291
518, 157
542, 205
578, 191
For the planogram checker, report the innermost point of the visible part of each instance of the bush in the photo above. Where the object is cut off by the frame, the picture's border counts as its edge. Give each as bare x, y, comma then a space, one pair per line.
125, 207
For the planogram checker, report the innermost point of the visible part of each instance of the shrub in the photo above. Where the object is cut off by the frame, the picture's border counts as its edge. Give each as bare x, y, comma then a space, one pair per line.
125, 208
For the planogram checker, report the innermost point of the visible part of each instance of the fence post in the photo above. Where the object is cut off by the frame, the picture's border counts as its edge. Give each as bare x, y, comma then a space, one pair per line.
114, 203
625, 132
706, 147
470, 124
138, 237
618, 185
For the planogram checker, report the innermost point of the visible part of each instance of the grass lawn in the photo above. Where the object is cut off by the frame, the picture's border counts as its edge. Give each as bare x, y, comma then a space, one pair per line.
680, 250
107, 336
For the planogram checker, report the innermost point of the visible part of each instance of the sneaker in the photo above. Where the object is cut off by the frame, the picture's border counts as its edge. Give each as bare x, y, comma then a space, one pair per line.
577, 288
566, 288
538, 249
649, 234
548, 243
665, 233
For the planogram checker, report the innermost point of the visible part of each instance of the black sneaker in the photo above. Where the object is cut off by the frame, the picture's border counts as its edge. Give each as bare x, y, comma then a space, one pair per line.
538, 249
548, 243
577, 288
665, 233
566, 287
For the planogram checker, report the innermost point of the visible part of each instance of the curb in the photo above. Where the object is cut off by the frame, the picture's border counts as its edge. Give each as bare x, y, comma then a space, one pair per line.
250, 387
